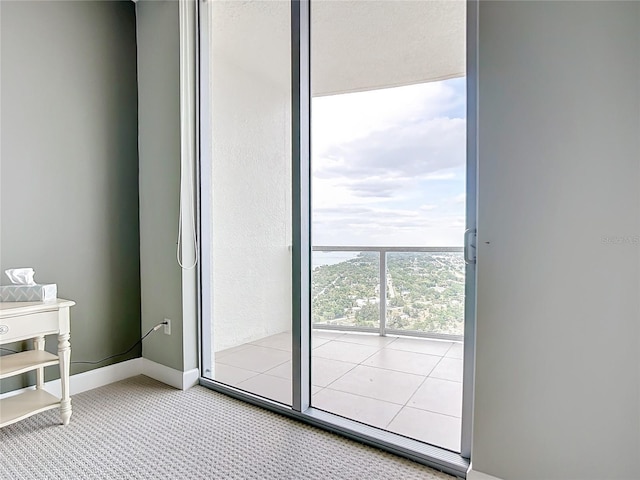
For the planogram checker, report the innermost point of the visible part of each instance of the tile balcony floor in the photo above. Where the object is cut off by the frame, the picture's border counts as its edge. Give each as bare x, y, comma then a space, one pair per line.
410, 386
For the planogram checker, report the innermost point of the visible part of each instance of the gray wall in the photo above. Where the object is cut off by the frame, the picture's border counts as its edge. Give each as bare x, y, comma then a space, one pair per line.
159, 145
558, 350
69, 164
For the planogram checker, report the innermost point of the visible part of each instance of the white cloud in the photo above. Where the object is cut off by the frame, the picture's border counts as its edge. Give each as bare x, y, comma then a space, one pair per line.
371, 225
344, 118
390, 163
372, 229
372, 153
440, 176
462, 198
424, 148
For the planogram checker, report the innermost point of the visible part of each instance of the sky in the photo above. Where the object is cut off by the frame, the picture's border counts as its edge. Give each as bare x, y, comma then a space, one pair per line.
388, 166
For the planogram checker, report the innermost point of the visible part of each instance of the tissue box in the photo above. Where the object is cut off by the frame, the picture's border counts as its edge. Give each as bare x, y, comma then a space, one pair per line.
28, 293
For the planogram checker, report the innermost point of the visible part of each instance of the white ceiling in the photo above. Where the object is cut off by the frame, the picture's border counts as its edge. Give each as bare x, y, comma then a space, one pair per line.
369, 44
356, 45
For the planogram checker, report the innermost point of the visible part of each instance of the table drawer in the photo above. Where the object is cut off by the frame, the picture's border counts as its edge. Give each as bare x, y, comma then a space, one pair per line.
28, 326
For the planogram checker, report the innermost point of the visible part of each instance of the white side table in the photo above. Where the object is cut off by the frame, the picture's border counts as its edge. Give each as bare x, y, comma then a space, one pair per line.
33, 320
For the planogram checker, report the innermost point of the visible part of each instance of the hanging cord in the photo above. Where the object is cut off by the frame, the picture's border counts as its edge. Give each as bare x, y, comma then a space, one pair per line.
185, 130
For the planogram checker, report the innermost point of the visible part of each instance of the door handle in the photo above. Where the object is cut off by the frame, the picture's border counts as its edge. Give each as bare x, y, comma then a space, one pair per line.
470, 246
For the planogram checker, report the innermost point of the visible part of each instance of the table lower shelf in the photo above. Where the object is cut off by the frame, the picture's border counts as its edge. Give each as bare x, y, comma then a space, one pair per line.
23, 405
25, 361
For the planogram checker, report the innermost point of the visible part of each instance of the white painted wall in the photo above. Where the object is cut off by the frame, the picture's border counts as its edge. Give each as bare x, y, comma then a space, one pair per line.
558, 338
251, 98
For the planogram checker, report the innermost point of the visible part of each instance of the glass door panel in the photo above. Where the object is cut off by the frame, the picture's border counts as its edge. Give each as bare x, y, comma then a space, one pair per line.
388, 124
249, 48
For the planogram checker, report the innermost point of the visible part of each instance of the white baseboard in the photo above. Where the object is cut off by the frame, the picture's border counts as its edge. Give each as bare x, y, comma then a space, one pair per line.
81, 382
170, 376
476, 475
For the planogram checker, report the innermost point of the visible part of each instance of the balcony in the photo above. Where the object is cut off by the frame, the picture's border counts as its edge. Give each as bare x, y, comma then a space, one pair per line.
386, 342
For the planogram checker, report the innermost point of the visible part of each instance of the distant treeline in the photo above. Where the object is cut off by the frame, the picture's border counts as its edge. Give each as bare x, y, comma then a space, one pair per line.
425, 292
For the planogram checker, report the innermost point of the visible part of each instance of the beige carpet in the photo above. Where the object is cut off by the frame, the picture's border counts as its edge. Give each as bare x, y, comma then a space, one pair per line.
142, 429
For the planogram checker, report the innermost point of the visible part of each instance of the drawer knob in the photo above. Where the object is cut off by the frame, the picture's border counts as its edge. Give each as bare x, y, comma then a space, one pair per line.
4, 329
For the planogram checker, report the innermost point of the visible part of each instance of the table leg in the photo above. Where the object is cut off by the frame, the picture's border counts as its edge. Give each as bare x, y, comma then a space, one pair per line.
64, 355
38, 344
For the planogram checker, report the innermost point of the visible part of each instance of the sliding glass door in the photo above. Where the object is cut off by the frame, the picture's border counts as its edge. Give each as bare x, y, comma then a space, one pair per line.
336, 284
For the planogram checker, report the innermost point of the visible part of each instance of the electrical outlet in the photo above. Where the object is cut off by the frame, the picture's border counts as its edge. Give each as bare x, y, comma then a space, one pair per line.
167, 327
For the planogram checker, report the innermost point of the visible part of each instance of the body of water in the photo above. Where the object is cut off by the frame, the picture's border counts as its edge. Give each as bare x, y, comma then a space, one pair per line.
330, 258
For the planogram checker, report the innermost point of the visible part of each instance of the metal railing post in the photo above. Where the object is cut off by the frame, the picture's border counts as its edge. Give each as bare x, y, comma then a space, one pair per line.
383, 292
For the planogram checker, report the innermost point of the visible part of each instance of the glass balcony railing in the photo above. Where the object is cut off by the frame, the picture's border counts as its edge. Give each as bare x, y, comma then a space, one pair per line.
417, 291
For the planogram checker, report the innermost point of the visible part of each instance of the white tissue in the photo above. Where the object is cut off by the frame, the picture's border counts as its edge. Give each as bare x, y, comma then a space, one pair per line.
21, 276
